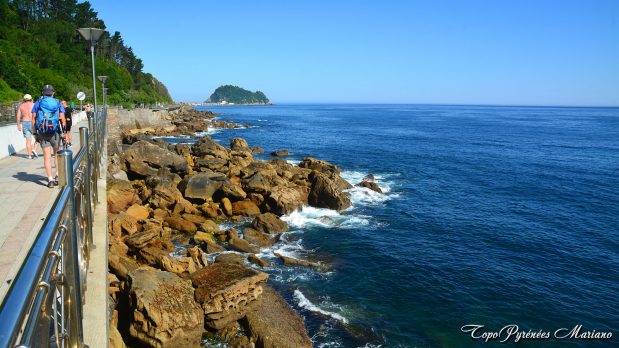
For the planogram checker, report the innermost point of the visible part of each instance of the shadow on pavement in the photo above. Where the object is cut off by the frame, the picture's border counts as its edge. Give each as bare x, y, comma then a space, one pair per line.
38, 179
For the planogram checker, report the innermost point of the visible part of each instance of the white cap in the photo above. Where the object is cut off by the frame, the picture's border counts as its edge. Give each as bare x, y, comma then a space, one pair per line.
27, 97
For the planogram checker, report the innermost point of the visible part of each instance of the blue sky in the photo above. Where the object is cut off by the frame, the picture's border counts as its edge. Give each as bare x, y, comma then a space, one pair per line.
455, 52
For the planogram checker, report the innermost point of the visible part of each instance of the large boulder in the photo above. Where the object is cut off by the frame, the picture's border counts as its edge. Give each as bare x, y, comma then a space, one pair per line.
243, 245
273, 324
232, 191
143, 159
325, 193
209, 148
257, 183
269, 223
203, 185
280, 153
163, 312
165, 195
239, 144
180, 224
283, 200
245, 208
226, 292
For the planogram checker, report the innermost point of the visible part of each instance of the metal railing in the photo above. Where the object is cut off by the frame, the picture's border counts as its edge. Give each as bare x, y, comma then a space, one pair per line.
43, 306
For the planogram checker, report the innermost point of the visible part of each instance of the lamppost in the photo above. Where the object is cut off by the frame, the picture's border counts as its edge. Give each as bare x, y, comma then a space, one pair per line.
103, 79
93, 35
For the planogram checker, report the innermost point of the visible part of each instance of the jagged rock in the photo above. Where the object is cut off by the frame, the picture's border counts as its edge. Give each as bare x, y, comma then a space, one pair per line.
257, 150
257, 183
324, 193
211, 211
245, 208
226, 206
230, 258
256, 198
141, 239
265, 169
180, 224
120, 195
259, 238
165, 195
257, 261
319, 165
164, 312
139, 212
208, 148
209, 226
226, 292
269, 223
116, 340
280, 153
232, 191
214, 164
180, 266
273, 324
284, 200
121, 265
198, 257
203, 237
231, 234
123, 224
369, 177
196, 219
243, 245
239, 144
290, 261
144, 159
203, 185
371, 185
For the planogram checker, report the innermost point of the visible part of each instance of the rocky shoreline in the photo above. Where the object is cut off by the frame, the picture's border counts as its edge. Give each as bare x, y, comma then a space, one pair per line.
165, 204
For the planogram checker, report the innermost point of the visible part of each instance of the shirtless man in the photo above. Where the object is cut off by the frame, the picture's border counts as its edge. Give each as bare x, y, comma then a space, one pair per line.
25, 123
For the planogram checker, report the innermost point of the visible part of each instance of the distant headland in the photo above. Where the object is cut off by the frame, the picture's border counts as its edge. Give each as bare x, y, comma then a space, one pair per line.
234, 95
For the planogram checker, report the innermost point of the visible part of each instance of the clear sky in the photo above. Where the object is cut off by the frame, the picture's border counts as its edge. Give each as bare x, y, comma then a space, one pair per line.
537, 52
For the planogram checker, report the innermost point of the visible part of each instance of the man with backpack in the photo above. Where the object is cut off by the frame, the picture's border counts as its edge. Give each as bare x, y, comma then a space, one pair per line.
49, 123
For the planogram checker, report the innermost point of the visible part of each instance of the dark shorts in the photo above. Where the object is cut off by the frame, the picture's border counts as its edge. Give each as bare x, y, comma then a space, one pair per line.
47, 140
68, 127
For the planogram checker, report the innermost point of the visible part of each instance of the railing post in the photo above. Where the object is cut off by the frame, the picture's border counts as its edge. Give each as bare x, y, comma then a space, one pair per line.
88, 182
73, 262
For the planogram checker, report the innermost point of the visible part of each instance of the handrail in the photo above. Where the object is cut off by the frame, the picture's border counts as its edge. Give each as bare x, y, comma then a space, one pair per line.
43, 306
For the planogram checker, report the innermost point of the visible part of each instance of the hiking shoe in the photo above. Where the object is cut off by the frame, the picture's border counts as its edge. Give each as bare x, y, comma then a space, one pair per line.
50, 184
55, 180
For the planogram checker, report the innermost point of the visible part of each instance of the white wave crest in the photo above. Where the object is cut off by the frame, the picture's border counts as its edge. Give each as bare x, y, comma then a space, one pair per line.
311, 216
307, 304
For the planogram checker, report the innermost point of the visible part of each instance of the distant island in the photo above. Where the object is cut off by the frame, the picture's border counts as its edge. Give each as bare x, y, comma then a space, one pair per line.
230, 94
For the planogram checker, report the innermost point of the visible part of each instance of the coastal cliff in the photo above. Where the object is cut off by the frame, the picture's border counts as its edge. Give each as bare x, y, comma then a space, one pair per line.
176, 276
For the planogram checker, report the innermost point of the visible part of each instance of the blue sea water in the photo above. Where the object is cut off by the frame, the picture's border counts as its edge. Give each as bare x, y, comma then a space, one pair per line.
491, 216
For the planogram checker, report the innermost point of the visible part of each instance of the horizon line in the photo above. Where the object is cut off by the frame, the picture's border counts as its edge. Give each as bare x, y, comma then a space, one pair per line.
427, 104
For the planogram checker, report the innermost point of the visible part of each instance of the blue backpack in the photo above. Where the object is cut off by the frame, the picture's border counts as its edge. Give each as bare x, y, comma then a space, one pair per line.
47, 121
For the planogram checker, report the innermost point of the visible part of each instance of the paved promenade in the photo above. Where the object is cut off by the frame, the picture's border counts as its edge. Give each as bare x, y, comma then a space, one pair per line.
25, 201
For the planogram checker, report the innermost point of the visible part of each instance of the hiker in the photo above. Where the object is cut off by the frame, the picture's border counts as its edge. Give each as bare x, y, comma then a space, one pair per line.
24, 123
68, 112
49, 122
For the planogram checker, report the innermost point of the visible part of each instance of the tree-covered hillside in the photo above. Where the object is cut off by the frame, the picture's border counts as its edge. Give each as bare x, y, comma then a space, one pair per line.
237, 95
39, 44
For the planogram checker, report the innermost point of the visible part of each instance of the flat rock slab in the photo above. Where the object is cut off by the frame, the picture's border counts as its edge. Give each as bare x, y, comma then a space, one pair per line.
274, 324
164, 311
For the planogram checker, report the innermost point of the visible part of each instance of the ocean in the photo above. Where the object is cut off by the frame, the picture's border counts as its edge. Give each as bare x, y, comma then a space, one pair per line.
490, 216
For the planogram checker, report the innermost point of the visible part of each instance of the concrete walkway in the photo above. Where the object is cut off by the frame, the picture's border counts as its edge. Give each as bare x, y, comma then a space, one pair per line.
25, 201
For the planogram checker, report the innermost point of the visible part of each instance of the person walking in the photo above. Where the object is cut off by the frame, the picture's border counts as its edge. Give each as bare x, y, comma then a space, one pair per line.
68, 114
88, 110
49, 117
24, 123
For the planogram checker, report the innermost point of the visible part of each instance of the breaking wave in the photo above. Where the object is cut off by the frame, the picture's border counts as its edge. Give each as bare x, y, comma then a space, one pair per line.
303, 302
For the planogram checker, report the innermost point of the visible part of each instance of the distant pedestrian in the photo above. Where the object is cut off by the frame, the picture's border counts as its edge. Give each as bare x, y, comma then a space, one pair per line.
49, 122
24, 123
68, 114
88, 110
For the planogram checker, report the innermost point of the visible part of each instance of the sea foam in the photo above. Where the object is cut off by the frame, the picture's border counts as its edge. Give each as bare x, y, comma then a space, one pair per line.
328, 218
303, 302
